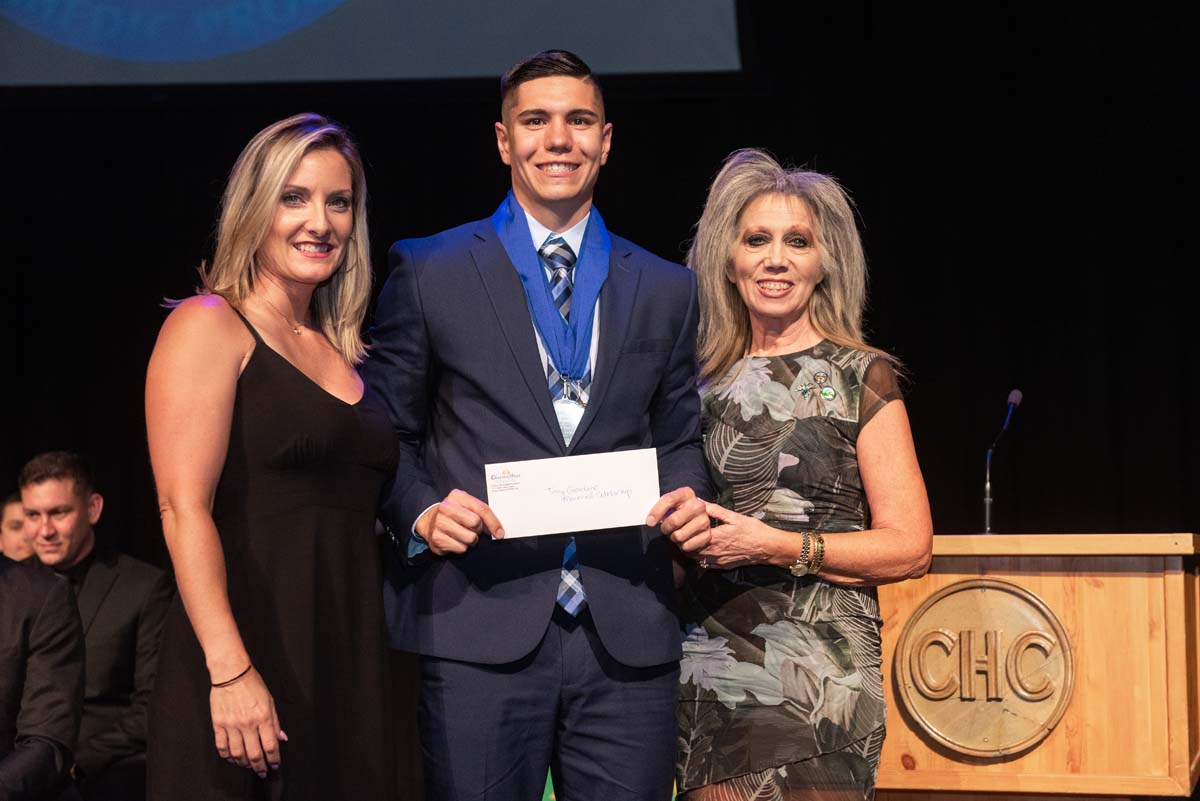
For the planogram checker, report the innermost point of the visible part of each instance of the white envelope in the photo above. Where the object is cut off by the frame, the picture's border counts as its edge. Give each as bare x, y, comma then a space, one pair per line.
573, 493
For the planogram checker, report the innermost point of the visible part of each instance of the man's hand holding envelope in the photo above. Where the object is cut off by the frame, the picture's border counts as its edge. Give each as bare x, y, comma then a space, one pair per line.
565, 495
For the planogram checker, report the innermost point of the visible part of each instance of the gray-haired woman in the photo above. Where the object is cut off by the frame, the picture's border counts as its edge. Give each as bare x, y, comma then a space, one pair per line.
821, 498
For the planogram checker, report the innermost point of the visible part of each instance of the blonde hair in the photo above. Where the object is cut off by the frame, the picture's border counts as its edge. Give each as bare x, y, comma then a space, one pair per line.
248, 211
836, 306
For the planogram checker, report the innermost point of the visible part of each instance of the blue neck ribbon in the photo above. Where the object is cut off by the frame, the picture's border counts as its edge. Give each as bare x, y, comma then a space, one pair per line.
568, 344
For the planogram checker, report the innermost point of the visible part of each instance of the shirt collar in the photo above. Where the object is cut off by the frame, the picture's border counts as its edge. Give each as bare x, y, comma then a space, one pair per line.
77, 573
573, 235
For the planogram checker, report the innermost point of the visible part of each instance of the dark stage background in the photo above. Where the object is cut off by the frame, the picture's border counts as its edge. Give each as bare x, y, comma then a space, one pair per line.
1022, 176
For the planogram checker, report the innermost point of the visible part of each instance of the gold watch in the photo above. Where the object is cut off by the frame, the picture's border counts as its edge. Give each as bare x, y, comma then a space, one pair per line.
801, 566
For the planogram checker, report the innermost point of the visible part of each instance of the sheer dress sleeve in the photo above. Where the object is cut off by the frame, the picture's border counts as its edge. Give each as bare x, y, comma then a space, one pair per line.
879, 388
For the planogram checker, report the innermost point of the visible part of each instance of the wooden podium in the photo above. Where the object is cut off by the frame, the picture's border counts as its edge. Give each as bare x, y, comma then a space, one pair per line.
1041, 666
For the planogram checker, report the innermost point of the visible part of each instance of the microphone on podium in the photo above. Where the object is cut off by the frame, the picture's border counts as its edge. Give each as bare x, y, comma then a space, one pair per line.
1014, 400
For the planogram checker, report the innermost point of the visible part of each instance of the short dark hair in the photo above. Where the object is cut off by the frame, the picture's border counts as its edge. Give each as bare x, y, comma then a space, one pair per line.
546, 64
12, 497
58, 465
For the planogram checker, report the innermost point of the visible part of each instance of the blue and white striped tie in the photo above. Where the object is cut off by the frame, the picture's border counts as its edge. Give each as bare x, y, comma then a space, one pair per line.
571, 596
559, 261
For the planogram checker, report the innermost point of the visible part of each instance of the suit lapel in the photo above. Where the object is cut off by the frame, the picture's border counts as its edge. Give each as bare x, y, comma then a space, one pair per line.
512, 310
100, 578
616, 308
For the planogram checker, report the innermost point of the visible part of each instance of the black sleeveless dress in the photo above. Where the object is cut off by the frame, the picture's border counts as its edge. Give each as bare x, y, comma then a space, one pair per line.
295, 508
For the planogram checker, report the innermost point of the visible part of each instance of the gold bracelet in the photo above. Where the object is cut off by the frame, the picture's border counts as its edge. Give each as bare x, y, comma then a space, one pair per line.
818, 555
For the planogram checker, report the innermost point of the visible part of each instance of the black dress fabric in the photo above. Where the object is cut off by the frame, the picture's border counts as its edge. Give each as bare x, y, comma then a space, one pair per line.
295, 508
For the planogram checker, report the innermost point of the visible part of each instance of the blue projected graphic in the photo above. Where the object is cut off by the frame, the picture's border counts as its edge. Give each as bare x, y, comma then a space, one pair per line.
165, 30
175, 42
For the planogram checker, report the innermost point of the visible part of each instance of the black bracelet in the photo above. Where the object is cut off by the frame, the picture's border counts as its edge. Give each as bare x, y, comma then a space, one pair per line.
235, 678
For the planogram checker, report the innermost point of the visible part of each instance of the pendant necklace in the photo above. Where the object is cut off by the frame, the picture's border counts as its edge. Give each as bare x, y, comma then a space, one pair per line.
297, 328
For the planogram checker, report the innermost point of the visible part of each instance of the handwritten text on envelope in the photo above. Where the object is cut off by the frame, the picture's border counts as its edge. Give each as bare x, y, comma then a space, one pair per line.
573, 493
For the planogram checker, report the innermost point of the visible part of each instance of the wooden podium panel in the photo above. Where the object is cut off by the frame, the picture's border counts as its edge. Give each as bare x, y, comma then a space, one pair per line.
1129, 606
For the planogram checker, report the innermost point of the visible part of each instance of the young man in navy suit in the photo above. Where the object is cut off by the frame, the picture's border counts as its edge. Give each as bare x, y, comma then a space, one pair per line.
530, 335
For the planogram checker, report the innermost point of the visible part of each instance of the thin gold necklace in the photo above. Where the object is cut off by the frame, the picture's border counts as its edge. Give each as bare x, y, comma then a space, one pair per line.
297, 328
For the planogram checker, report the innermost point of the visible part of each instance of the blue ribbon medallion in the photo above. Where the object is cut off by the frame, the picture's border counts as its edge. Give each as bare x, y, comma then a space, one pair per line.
568, 343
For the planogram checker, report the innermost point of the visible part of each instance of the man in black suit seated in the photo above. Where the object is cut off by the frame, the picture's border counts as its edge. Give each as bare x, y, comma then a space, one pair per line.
122, 602
41, 681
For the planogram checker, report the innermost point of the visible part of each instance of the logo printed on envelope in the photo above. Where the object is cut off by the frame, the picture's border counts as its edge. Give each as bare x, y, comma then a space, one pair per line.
503, 480
573, 493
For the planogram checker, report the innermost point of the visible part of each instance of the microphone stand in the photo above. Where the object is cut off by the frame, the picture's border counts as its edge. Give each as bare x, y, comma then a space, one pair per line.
987, 476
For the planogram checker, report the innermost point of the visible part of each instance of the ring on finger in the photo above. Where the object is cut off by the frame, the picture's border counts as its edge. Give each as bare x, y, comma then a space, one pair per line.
704, 563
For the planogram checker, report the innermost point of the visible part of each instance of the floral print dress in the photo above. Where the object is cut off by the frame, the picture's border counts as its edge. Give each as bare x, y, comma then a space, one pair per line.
781, 676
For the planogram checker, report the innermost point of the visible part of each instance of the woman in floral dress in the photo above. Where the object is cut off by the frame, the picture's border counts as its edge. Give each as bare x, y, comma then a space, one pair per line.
821, 498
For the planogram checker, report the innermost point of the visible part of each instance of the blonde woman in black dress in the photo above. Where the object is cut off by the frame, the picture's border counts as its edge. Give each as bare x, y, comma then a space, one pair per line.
821, 498
269, 460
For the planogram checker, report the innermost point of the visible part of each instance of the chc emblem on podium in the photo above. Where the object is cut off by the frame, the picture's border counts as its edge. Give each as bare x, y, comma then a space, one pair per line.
985, 668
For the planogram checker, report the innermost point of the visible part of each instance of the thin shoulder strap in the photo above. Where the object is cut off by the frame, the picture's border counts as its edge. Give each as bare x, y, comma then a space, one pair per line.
245, 322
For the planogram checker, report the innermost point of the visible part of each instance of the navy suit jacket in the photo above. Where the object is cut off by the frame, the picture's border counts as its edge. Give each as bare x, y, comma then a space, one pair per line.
456, 361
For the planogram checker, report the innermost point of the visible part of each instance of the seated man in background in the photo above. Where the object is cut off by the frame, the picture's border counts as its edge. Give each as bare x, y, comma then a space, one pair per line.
13, 542
41, 681
122, 602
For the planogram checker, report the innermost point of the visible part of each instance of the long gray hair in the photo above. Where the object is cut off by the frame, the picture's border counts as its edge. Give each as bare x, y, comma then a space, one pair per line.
837, 302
